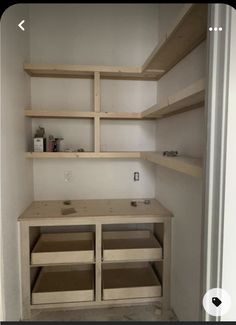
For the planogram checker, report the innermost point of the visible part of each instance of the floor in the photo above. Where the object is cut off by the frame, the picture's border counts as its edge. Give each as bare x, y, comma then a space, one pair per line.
135, 313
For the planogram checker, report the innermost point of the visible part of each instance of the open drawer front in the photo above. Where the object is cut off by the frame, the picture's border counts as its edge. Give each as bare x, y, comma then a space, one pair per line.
55, 285
62, 248
130, 282
132, 245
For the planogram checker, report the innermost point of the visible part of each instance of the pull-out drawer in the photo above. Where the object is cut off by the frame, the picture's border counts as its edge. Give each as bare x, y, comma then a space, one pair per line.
130, 245
58, 286
63, 248
126, 283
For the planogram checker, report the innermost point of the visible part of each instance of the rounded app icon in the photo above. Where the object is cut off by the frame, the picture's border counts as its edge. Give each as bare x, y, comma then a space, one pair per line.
216, 302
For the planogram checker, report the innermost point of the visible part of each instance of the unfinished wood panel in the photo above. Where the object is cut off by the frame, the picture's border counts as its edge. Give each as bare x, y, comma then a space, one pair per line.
98, 267
63, 248
38, 113
25, 271
97, 135
130, 245
101, 304
87, 71
107, 209
127, 283
84, 155
166, 267
186, 165
97, 92
187, 32
63, 286
189, 98
119, 115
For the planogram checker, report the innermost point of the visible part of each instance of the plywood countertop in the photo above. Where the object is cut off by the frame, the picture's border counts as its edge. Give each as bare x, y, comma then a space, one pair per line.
92, 209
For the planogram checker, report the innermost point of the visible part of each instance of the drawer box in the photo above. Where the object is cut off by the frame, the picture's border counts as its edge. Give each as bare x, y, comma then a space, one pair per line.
130, 246
63, 248
127, 283
59, 286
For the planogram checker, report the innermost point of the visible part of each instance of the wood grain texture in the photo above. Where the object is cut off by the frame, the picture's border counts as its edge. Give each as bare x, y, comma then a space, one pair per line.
97, 135
189, 98
25, 271
87, 71
187, 32
84, 155
109, 210
182, 164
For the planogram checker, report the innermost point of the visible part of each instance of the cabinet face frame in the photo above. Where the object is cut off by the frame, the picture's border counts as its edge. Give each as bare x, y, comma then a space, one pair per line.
29, 235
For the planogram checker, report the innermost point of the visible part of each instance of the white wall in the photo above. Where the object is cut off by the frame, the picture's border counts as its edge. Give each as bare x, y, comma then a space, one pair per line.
180, 193
117, 34
16, 172
229, 239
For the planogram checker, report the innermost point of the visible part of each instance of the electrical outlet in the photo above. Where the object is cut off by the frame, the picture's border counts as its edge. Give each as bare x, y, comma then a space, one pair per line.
68, 176
136, 176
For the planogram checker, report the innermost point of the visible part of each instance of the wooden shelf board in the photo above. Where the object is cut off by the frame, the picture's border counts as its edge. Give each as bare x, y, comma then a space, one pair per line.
87, 71
188, 31
186, 165
79, 114
94, 208
117, 154
184, 100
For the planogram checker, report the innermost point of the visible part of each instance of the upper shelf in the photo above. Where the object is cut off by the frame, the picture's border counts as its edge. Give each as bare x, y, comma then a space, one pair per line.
87, 71
186, 99
81, 114
188, 31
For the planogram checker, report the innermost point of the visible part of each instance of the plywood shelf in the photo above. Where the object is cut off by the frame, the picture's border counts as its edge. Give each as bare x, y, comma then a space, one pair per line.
187, 99
87, 71
130, 246
116, 154
127, 283
79, 114
187, 32
182, 164
61, 286
64, 248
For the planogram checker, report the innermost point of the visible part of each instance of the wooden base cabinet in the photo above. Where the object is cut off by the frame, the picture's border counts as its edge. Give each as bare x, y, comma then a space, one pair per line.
109, 254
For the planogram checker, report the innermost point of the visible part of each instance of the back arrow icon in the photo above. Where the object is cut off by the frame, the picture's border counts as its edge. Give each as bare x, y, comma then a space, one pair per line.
20, 25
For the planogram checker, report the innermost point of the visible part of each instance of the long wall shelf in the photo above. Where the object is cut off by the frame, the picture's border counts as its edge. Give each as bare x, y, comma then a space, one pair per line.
87, 71
81, 114
117, 154
186, 99
183, 164
188, 31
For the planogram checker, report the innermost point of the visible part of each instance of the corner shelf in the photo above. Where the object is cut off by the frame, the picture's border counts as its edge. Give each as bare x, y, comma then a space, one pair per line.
182, 164
187, 32
186, 99
186, 165
87, 71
